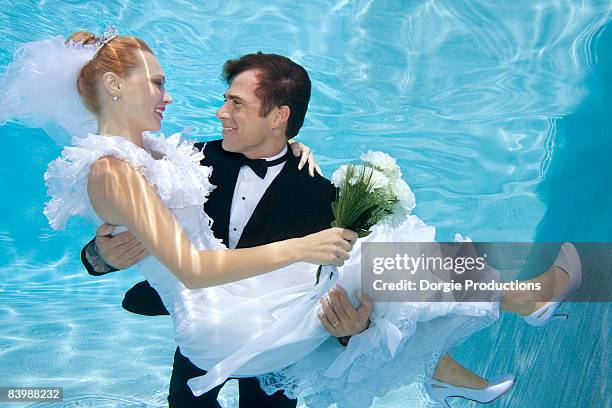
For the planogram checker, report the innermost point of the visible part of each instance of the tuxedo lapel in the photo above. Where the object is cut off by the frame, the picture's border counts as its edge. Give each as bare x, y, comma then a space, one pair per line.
224, 176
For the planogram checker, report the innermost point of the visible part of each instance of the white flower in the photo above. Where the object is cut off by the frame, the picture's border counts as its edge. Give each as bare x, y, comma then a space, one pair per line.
339, 176
403, 193
377, 178
383, 162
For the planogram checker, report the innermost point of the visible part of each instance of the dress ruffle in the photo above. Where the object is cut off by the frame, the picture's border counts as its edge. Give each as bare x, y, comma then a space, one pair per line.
171, 166
375, 370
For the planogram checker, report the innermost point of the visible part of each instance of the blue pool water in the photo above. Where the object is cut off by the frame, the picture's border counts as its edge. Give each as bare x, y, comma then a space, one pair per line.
496, 111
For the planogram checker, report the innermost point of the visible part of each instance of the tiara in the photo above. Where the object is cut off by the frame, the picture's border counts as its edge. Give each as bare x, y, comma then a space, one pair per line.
107, 36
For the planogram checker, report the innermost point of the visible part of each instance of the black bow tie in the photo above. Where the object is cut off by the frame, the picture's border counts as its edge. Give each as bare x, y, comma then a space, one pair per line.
260, 166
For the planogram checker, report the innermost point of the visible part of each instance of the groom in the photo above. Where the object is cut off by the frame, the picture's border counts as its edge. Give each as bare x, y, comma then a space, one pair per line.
261, 197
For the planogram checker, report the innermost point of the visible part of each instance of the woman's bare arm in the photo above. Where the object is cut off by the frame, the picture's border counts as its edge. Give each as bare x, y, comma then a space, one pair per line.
121, 196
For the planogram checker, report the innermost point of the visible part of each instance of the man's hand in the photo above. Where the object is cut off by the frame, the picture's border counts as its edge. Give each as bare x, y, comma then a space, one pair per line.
338, 315
121, 251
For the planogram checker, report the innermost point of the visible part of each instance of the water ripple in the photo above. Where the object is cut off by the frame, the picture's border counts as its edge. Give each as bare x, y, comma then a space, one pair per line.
466, 94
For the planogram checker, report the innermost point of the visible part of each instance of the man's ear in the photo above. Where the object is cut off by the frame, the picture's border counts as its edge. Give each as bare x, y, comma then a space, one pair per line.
112, 83
281, 116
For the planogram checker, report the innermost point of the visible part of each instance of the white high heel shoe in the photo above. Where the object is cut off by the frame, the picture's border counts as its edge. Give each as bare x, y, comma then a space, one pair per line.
498, 386
568, 260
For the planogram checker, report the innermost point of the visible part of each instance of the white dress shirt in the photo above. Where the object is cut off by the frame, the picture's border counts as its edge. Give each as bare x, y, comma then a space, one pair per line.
247, 193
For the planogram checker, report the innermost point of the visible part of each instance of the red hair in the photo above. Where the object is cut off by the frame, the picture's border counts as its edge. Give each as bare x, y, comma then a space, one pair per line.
118, 56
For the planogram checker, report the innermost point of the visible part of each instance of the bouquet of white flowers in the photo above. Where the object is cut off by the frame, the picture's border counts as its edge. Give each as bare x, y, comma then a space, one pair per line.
370, 192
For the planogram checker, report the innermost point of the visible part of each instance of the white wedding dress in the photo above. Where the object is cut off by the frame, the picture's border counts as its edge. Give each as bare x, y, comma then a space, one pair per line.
267, 326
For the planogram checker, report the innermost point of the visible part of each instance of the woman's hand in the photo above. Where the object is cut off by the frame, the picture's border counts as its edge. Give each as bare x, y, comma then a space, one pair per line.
328, 247
307, 155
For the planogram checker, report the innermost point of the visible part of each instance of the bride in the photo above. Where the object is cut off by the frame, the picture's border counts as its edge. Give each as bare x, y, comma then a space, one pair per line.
155, 187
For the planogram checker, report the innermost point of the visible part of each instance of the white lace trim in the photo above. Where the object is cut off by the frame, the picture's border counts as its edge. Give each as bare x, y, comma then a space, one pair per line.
422, 346
175, 172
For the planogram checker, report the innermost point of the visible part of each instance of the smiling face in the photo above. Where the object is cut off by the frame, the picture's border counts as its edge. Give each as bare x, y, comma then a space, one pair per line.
244, 130
143, 95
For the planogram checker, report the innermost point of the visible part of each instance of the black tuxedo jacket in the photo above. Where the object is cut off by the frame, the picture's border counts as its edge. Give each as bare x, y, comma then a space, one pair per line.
294, 205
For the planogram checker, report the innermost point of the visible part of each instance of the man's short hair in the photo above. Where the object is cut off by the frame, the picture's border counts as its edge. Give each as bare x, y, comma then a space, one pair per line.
281, 82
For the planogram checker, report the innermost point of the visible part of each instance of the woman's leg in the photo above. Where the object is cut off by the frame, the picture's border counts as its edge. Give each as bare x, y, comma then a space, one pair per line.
451, 372
524, 303
552, 283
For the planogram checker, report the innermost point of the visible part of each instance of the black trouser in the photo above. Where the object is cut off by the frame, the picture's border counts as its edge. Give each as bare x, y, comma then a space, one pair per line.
250, 393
